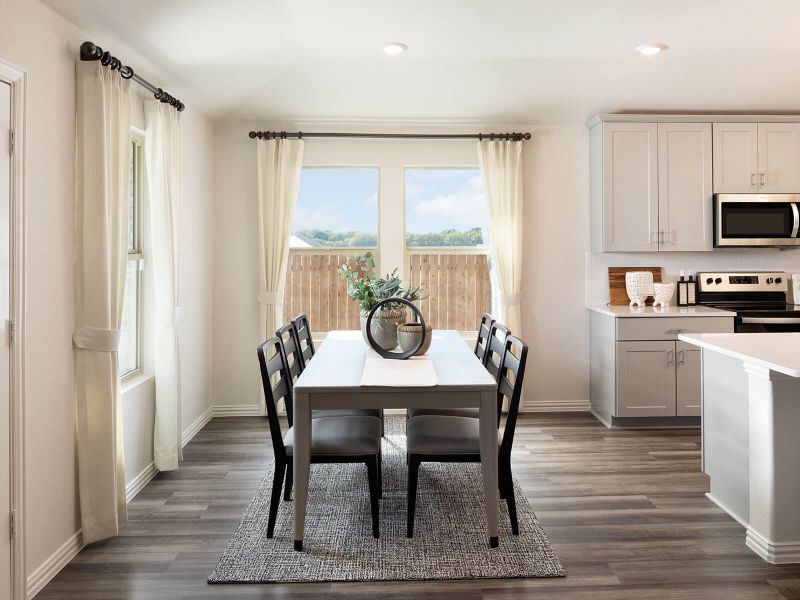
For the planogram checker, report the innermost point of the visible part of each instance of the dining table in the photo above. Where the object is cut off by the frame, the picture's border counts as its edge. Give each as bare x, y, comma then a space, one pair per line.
345, 373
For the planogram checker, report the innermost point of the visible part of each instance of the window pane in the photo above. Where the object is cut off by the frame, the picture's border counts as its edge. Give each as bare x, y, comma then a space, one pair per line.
336, 208
132, 197
445, 207
129, 342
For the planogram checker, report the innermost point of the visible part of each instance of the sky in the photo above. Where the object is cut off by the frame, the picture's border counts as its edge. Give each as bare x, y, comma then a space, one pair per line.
347, 200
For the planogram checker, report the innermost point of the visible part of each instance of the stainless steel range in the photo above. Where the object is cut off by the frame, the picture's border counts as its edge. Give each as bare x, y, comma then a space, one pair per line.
759, 299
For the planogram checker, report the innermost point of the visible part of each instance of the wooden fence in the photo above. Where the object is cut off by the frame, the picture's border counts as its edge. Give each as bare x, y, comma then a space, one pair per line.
456, 287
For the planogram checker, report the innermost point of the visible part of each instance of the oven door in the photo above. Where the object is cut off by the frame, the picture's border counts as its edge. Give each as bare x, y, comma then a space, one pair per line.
756, 324
756, 219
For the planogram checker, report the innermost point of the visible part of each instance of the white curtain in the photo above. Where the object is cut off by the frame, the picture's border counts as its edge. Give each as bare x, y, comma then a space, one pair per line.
279, 164
500, 163
163, 161
102, 180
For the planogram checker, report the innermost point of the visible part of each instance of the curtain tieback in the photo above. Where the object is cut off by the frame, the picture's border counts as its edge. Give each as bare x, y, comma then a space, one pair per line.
513, 299
96, 339
265, 297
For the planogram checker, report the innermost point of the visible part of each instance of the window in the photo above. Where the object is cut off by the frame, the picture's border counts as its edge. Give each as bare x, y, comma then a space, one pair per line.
447, 252
336, 219
130, 347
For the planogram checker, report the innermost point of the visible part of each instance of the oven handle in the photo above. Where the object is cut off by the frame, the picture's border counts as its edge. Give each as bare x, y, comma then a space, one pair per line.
771, 320
796, 214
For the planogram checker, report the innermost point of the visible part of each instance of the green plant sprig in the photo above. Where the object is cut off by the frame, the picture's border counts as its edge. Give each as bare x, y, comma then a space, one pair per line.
367, 289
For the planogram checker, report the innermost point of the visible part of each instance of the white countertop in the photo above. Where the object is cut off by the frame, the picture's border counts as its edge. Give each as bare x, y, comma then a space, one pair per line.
649, 311
775, 351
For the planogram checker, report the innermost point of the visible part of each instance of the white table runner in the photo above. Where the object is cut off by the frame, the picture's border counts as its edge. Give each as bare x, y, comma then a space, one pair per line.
416, 371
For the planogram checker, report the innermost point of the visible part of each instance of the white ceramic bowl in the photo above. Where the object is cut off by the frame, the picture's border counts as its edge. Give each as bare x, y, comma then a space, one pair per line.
663, 293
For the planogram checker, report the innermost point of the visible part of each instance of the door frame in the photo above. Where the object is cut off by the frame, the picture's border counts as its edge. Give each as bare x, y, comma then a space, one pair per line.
17, 78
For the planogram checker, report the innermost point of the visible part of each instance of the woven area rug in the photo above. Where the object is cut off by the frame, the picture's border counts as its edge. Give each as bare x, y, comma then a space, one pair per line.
450, 539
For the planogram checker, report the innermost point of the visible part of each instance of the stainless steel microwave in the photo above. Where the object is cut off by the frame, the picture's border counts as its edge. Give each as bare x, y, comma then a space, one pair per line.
756, 220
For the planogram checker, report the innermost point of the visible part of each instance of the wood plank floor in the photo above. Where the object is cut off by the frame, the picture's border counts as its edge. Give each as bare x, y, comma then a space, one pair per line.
625, 512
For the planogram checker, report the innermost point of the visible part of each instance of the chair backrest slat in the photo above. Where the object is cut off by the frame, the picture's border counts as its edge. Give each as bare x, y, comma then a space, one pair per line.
509, 386
293, 357
275, 381
484, 329
304, 340
495, 347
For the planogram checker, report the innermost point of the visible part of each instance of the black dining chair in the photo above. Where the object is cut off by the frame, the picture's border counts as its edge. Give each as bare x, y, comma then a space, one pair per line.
296, 364
492, 344
304, 339
353, 439
443, 438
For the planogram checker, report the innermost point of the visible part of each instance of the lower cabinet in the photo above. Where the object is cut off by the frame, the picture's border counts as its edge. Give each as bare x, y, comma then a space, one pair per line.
658, 379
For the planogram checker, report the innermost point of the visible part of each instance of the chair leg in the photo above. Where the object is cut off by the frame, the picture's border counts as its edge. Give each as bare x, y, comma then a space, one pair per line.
277, 482
508, 481
383, 425
372, 475
287, 490
413, 475
380, 476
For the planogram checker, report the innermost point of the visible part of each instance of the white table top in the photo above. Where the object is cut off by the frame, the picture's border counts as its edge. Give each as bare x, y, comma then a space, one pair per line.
339, 363
658, 311
776, 351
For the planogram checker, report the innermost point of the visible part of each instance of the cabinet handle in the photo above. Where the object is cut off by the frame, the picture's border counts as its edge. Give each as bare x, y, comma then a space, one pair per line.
763, 178
681, 357
676, 331
670, 357
653, 238
752, 179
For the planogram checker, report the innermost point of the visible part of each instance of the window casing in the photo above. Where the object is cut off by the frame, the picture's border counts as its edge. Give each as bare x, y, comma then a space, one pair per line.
130, 351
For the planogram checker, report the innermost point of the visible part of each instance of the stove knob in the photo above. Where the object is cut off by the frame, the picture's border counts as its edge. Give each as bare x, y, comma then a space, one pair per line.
769, 280
718, 280
709, 281
778, 280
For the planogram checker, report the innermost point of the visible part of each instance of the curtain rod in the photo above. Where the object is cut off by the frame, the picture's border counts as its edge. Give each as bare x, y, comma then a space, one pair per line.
274, 135
90, 51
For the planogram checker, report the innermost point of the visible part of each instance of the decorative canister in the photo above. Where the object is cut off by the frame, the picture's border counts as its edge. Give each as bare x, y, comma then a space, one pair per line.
384, 327
663, 293
638, 285
408, 335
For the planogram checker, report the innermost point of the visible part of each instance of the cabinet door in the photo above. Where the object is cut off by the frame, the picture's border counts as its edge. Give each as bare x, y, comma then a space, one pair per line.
735, 158
645, 379
778, 157
687, 376
684, 186
630, 187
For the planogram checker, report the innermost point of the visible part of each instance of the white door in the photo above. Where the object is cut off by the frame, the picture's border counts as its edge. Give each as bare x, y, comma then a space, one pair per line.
684, 186
735, 158
5, 403
645, 379
630, 187
689, 379
779, 157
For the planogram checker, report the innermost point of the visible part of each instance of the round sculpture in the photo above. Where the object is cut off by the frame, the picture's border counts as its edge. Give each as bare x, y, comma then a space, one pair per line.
386, 353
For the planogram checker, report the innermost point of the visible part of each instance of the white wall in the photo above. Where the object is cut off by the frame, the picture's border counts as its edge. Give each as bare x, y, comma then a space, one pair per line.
43, 43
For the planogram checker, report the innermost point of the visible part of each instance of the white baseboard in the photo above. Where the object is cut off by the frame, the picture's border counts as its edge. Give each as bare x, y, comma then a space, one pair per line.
195, 427
137, 483
238, 410
732, 514
776, 553
57, 561
556, 406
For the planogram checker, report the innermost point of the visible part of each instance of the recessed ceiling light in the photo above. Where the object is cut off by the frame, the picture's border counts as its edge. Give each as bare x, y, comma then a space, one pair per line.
651, 49
395, 48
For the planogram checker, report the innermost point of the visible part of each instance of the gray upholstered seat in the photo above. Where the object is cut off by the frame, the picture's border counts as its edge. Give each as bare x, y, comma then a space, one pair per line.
347, 412
342, 436
443, 434
454, 412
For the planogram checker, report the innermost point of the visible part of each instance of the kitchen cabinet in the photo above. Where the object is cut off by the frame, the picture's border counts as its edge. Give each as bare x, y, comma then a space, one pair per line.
756, 158
684, 187
640, 370
651, 187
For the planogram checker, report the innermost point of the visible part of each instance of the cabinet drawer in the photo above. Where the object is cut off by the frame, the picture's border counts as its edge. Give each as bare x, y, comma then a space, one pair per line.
668, 328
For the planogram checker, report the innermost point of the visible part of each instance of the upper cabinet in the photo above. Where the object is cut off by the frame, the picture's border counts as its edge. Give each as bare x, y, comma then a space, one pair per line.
756, 158
651, 187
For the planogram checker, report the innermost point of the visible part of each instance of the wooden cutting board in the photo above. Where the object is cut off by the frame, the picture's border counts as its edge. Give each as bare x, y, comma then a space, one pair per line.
616, 284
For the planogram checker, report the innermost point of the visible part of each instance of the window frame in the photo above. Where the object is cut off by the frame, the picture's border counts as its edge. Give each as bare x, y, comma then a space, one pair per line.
374, 249
136, 253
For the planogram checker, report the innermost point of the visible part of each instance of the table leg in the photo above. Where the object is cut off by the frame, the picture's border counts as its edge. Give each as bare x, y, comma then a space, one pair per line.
302, 452
488, 432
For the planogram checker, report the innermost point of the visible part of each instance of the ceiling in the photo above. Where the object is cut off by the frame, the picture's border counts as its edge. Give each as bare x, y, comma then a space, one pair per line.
509, 61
